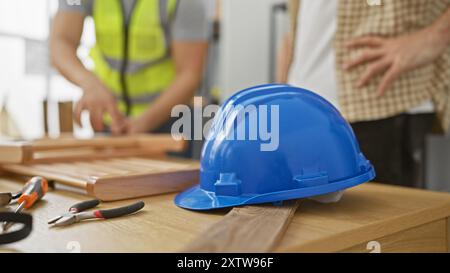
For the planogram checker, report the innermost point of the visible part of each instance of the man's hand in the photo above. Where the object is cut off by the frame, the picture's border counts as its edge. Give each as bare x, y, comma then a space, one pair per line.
132, 126
189, 58
98, 100
393, 57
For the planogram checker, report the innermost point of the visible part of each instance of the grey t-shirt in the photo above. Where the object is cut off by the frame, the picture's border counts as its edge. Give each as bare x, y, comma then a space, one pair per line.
191, 21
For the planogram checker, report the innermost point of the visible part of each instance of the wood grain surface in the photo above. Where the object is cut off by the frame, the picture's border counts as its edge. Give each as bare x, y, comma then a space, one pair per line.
429, 237
367, 212
116, 178
246, 229
65, 114
48, 150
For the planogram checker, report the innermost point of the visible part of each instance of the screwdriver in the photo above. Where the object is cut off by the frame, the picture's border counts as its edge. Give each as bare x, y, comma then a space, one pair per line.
32, 192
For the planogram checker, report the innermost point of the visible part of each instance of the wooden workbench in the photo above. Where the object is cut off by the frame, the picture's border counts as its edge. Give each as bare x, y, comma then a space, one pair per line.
399, 219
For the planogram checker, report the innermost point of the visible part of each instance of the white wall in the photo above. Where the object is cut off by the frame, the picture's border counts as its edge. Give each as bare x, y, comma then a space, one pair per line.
24, 83
245, 47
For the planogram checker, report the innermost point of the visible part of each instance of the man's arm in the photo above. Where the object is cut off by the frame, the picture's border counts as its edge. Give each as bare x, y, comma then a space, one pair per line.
64, 41
189, 58
286, 54
97, 99
284, 59
393, 57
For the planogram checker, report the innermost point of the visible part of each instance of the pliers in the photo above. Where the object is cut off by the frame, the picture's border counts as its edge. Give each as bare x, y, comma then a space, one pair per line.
8, 198
76, 212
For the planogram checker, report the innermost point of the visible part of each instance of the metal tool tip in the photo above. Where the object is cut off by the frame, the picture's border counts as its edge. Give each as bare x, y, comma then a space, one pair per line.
7, 226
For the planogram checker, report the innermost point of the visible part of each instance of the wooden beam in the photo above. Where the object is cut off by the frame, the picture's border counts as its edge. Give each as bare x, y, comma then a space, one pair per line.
65, 110
15, 152
49, 175
149, 142
431, 238
246, 229
69, 148
116, 179
120, 187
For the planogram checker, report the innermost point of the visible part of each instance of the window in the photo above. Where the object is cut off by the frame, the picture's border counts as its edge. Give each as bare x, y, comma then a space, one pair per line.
26, 77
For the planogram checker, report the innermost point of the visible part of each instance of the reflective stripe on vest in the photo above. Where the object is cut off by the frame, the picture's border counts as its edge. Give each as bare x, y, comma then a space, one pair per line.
142, 99
140, 61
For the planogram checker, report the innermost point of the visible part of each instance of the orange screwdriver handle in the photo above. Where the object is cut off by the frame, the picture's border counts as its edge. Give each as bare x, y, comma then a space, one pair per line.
33, 191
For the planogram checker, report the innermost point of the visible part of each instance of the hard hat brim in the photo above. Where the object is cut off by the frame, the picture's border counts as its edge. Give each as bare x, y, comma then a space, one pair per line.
196, 198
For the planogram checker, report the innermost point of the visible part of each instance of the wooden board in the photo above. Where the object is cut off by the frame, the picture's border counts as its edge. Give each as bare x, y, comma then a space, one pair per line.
429, 238
69, 148
246, 229
65, 111
365, 213
116, 178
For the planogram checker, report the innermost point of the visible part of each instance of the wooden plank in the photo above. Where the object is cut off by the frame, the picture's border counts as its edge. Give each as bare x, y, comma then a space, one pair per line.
448, 234
365, 212
246, 229
122, 166
163, 142
427, 238
49, 144
66, 169
65, 111
150, 142
52, 172
164, 227
99, 168
14, 152
73, 155
162, 164
49, 150
119, 187
111, 180
132, 163
70, 180
88, 168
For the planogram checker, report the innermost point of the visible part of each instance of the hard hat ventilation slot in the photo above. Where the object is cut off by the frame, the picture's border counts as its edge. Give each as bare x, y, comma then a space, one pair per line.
364, 164
228, 185
311, 180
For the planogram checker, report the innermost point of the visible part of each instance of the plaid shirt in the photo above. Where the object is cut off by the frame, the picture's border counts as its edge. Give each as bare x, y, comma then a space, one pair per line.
357, 18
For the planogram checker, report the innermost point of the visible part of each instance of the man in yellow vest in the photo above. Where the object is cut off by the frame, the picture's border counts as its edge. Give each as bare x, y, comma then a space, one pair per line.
148, 57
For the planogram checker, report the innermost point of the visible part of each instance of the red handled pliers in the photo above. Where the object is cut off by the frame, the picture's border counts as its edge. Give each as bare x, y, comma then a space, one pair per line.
77, 212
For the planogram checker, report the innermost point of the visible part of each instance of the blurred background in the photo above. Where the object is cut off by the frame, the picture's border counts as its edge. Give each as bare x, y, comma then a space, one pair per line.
242, 53
26, 75
27, 79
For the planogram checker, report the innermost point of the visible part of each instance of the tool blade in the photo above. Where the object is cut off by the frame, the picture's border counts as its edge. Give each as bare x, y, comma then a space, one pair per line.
64, 221
53, 220
5, 198
6, 226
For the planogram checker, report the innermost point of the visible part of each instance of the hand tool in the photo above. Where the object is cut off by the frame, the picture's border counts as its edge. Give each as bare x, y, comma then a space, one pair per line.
7, 198
32, 192
76, 212
20, 218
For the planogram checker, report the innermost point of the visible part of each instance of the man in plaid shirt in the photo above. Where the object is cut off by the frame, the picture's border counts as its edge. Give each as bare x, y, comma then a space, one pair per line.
385, 65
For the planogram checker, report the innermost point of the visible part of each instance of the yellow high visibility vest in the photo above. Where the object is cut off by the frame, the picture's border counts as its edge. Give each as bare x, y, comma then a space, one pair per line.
133, 59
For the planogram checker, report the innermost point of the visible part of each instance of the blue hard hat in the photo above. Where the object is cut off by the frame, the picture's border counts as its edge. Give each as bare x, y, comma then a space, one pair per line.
316, 152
